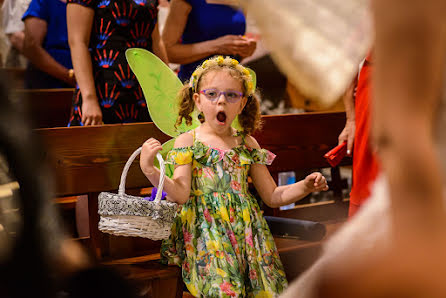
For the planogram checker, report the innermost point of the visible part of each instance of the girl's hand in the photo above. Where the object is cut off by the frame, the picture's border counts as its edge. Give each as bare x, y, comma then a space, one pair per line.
315, 182
148, 153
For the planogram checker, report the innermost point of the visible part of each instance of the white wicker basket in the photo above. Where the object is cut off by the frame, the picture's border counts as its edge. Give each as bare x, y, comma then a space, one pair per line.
125, 215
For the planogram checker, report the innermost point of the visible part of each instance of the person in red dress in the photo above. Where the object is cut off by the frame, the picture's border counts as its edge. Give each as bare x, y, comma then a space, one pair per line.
357, 130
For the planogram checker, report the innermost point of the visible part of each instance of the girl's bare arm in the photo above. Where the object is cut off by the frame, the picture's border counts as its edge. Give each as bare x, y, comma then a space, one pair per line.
178, 188
275, 196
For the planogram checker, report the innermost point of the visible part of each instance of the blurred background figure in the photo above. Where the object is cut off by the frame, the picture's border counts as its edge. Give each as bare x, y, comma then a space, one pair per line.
36, 257
46, 46
395, 245
198, 29
99, 34
14, 28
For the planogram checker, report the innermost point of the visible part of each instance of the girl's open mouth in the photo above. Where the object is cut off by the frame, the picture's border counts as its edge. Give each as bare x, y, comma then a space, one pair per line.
221, 117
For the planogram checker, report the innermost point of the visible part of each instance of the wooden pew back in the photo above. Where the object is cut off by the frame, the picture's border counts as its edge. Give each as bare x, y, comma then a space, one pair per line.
14, 75
91, 159
300, 140
48, 107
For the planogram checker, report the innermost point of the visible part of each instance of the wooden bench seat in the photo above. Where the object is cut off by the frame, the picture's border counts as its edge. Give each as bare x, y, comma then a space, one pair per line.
151, 279
298, 255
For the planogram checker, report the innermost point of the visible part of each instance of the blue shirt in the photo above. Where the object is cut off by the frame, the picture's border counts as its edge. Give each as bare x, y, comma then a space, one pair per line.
54, 13
207, 22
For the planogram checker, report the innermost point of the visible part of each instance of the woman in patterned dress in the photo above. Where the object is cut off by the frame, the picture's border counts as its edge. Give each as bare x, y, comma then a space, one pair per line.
99, 33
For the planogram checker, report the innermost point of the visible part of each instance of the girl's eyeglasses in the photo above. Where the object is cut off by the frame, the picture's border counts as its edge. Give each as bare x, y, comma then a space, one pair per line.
214, 94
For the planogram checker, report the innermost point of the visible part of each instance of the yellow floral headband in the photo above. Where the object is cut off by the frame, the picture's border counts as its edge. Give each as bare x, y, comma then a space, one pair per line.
221, 61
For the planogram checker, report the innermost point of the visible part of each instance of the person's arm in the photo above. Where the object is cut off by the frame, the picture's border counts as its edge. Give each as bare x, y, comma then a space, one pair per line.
275, 196
158, 45
188, 53
79, 25
35, 32
348, 133
178, 188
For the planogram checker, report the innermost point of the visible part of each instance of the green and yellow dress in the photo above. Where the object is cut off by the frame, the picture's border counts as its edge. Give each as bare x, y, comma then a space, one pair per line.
219, 237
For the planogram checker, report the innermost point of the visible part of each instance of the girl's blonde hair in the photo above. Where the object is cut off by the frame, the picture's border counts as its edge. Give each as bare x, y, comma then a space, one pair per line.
249, 118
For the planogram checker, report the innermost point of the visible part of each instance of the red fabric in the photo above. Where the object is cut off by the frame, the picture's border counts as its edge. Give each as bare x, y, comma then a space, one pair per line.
365, 164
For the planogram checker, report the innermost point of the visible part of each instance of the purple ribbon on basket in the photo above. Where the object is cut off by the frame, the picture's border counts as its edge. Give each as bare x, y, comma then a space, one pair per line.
153, 195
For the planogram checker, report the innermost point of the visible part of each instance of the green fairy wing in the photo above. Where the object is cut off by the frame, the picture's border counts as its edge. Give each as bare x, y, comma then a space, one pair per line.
160, 86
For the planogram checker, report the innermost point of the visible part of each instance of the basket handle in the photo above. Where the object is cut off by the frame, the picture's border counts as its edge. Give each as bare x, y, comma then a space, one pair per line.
121, 190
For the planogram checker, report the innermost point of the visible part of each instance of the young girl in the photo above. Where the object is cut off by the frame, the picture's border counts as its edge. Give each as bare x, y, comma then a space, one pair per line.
220, 238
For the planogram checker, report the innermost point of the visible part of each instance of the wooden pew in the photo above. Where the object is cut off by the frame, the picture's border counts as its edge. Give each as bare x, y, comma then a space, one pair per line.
48, 107
300, 141
88, 160
14, 75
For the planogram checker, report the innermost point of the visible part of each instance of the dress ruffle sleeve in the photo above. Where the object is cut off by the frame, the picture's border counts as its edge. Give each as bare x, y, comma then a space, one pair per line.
256, 156
180, 156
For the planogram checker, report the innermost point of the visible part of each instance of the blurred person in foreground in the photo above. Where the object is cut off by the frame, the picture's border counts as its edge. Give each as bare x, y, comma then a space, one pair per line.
36, 257
395, 246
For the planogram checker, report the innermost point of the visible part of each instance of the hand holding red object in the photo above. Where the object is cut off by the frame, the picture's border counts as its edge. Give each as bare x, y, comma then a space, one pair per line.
335, 155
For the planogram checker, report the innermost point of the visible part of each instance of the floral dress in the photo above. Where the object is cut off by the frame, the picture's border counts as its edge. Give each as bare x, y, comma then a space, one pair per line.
219, 237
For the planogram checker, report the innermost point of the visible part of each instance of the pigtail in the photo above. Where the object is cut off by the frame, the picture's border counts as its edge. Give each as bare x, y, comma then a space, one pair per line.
187, 105
250, 118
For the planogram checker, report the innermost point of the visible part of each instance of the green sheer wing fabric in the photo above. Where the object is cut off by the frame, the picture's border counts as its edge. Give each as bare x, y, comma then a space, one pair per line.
160, 86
